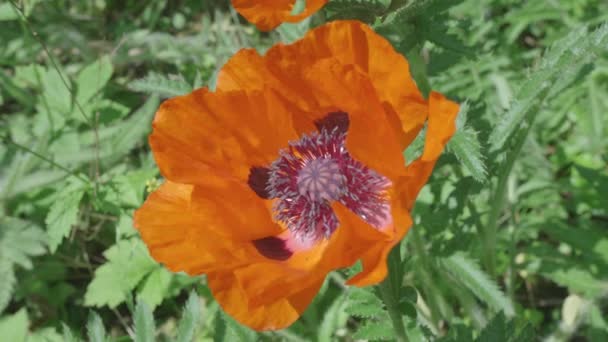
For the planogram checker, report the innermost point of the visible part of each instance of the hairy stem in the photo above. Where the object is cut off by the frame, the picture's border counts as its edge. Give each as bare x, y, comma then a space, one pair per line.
498, 196
390, 295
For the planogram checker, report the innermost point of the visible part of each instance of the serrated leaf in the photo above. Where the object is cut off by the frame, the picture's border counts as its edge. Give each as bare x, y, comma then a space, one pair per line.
571, 52
437, 33
132, 130
419, 9
334, 318
501, 329
96, 332
14, 327
190, 318
470, 275
161, 85
155, 287
93, 78
67, 335
363, 303
363, 10
365, 310
465, 145
227, 329
7, 284
20, 240
48, 334
62, 215
375, 331
128, 263
144, 322
56, 95
363, 295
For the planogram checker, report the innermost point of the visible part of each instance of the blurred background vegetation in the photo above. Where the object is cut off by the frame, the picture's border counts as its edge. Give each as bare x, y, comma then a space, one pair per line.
511, 235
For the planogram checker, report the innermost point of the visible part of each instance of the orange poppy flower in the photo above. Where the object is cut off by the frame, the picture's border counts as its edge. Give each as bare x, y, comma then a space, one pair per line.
268, 14
292, 168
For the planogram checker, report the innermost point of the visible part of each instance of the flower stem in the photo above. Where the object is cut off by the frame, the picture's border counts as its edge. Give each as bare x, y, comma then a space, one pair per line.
389, 293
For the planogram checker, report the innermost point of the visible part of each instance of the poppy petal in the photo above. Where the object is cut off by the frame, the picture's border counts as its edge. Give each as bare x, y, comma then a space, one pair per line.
204, 132
351, 43
374, 259
233, 210
441, 127
344, 87
173, 233
268, 14
276, 315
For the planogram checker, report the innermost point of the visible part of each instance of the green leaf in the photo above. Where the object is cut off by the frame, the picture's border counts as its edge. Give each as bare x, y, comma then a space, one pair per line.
374, 331
501, 329
132, 130
144, 322
131, 186
161, 85
571, 52
20, 240
437, 33
14, 327
465, 145
56, 96
191, 316
498, 329
227, 330
7, 285
93, 78
96, 332
155, 287
47, 334
8, 12
363, 303
15, 91
363, 10
366, 310
334, 318
290, 32
575, 278
62, 215
68, 336
128, 263
468, 272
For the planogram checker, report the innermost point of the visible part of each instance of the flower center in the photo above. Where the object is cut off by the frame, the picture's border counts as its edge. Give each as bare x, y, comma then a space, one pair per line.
316, 170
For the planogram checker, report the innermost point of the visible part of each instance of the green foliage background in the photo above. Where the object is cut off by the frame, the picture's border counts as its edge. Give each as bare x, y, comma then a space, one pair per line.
511, 235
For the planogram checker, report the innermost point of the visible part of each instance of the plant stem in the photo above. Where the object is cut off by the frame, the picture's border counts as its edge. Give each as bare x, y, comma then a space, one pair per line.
390, 295
50, 161
499, 194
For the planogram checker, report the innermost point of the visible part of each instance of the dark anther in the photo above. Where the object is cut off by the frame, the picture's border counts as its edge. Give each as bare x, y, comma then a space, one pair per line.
333, 120
258, 179
273, 248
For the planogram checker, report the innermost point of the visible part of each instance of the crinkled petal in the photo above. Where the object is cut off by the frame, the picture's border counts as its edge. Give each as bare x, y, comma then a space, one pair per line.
272, 316
344, 87
224, 133
441, 127
176, 236
349, 42
233, 210
374, 258
189, 232
268, 14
